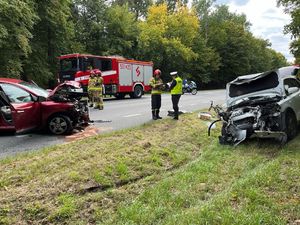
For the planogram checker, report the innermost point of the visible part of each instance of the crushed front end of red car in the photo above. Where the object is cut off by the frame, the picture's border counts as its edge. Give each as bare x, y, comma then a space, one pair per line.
71, 91
25, 107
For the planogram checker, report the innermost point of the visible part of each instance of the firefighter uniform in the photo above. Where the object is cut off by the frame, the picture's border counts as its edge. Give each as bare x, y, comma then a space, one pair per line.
156, 83
176, 92
98, 96
91, 86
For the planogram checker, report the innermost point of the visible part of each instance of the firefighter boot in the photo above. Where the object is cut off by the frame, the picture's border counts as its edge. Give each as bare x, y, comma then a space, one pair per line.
157, 115
153, 115
175, 116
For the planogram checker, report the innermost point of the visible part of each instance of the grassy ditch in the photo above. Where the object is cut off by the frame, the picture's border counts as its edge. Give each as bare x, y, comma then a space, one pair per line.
165, 172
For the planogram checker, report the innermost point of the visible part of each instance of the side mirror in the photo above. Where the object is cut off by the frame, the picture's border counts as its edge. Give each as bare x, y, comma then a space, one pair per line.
34, 98
292, 90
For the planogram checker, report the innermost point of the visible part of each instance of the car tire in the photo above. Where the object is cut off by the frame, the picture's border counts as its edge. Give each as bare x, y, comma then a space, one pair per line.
194, 91
138, 91
60, 124
291, 125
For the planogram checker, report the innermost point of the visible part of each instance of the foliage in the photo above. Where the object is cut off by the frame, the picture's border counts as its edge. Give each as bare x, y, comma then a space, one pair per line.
239, 51
293, 8
16, 22
172, 4
167, 38
52, 35
209, 46
122, 32
89, 19
138, 7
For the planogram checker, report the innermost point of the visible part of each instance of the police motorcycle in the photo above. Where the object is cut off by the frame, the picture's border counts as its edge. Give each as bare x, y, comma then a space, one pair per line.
190, 88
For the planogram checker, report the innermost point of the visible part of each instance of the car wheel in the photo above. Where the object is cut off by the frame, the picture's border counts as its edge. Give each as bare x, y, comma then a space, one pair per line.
60, 124
138, 91
291, 126
194, 91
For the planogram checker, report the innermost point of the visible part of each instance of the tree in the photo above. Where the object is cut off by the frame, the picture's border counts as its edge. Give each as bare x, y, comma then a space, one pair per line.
172, 4
138, 7
167, 38
89, 17
240, 52
52, 35
207, 63
122, 32
203, 9
293, 8
16, 22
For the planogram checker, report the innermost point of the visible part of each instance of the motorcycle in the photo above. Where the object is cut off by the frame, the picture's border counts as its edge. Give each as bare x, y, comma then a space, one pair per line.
190, 88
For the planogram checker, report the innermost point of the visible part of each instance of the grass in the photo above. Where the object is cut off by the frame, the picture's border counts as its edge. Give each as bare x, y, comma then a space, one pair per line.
164, 172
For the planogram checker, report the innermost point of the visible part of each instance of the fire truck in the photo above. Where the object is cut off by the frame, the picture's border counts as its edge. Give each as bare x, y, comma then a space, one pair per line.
121, 76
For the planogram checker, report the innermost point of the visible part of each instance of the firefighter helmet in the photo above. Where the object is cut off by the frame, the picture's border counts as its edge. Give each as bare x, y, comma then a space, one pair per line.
98, 73
157, 72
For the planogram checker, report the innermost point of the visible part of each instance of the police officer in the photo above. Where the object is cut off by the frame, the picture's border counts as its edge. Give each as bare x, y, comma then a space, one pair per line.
91, 86
176, 92
98, 90
156, 84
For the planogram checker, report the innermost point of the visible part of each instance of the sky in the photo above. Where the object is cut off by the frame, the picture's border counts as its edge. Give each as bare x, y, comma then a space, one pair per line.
267, 21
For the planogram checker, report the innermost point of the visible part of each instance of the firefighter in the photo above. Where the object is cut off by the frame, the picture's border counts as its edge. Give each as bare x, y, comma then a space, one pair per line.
176, 92
157, 85
98, 91
91, 86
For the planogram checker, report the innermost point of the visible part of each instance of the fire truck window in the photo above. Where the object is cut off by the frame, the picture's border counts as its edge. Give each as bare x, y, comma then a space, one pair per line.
88, 64
106, 65
97, 63
68, 64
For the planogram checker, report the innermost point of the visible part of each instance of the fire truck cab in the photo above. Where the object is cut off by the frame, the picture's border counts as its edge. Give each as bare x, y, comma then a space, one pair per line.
121, 76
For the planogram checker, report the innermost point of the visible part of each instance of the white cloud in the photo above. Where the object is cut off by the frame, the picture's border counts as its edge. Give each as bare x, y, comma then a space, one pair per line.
267, 22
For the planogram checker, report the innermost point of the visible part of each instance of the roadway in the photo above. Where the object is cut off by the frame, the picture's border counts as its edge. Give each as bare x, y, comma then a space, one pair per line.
117, 114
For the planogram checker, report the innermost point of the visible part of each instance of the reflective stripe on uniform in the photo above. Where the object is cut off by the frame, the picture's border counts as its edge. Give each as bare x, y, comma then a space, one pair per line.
154, 82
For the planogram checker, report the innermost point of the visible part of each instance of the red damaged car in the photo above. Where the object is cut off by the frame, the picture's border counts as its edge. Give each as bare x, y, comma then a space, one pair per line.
25, 107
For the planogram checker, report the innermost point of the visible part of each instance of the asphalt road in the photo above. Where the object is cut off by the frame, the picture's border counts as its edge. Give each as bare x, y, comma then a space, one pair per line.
117, 114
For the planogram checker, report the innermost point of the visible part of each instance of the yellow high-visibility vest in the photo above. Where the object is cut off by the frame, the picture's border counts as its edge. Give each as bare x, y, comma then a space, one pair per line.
177, 90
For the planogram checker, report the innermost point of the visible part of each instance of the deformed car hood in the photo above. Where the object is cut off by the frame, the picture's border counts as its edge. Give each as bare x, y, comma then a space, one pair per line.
72, 84
265, 84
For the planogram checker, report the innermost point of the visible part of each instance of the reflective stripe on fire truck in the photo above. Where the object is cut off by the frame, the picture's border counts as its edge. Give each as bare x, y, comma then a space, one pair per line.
82, 78
110, 72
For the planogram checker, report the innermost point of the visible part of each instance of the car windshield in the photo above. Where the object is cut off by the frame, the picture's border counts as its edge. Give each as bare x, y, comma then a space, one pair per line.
35, 89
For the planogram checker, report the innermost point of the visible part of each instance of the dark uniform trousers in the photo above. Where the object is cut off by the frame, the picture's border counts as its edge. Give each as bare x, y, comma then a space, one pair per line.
155, 103
175, 100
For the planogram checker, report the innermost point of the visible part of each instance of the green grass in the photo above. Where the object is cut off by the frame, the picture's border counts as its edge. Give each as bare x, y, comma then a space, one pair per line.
164, 172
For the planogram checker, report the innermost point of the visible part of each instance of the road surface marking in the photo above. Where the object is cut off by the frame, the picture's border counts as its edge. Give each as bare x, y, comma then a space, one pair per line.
132, 115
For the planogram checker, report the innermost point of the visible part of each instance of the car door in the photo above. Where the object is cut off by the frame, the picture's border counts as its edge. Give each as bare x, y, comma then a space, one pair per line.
294, 98
25, 111
6, 113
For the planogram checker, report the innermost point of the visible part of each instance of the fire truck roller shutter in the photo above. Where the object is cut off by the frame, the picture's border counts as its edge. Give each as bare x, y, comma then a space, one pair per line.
125, 74
138, 73
148, 71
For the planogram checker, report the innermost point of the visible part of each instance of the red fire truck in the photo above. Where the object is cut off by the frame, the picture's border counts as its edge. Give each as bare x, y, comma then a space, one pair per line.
121, 76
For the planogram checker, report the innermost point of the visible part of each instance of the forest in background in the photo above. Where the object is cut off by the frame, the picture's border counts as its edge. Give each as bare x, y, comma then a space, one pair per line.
205, 42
